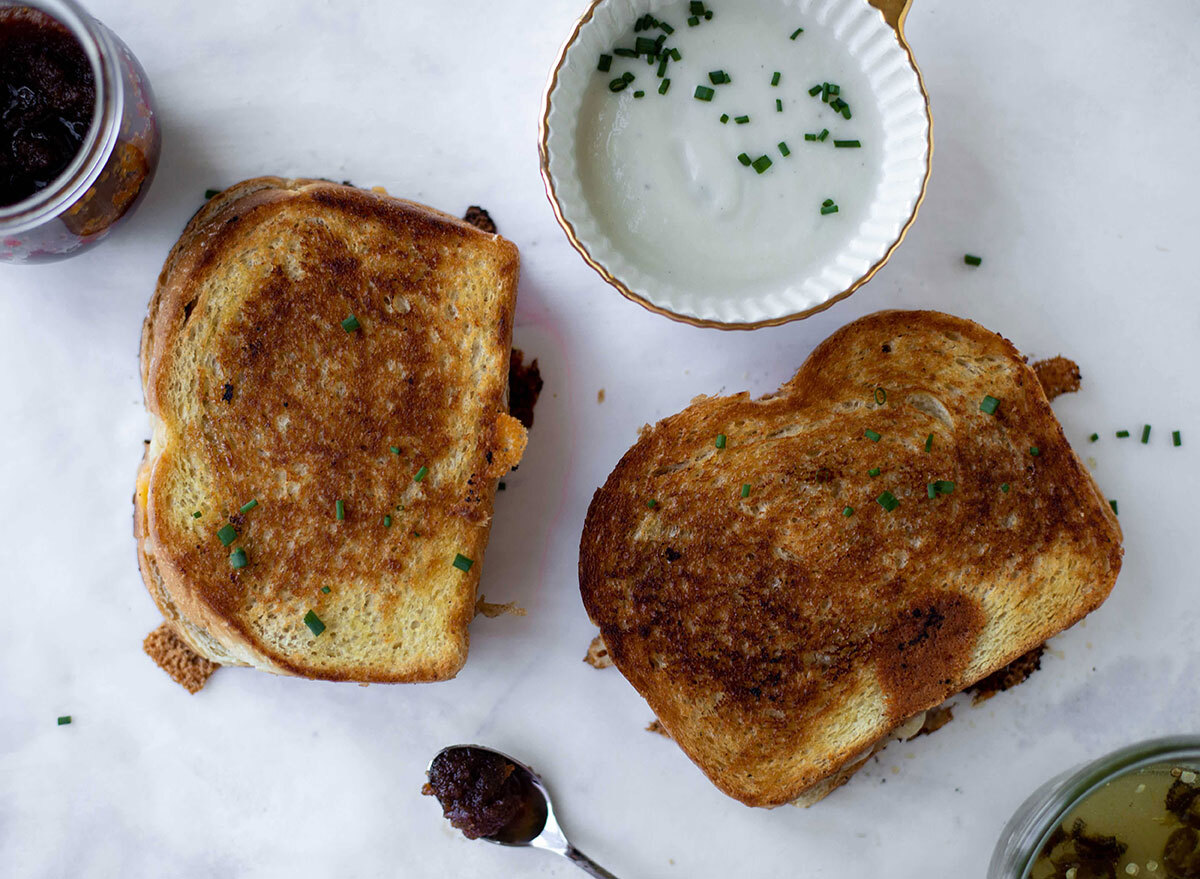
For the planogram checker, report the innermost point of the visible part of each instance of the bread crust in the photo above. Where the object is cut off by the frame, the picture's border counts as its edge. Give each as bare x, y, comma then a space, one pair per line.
254, 390
776, 637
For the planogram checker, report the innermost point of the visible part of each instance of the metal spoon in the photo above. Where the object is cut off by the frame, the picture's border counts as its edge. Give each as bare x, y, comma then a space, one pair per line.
535, 825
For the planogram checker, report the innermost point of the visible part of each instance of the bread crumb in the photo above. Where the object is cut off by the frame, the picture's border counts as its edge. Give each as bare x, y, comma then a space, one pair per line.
480, 219
1058, 376
597, 654
491, 611
185, 666
600, 396
657, 727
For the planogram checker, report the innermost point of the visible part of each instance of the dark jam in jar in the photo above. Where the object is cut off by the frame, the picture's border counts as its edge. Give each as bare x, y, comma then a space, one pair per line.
47, 101
480, 791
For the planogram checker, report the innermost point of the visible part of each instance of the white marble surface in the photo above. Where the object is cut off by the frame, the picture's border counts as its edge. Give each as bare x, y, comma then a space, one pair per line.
1065, 155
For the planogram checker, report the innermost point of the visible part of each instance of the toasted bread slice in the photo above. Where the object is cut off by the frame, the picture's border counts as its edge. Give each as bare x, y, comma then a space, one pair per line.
781, 630
257, 391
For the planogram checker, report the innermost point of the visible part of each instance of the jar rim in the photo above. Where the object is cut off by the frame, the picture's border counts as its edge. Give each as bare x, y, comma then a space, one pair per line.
1082, 782
88, 162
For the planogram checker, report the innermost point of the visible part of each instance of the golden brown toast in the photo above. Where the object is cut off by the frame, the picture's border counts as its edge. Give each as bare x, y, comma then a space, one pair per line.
779, 631
257, 391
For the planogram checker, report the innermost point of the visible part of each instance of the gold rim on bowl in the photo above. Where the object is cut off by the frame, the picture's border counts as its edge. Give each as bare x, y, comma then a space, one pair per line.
894, 13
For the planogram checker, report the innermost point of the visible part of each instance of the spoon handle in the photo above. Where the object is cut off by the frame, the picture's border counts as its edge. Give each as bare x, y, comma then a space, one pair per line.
586, 864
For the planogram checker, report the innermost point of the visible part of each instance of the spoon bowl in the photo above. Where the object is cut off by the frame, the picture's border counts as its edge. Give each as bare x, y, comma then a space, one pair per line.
534, 825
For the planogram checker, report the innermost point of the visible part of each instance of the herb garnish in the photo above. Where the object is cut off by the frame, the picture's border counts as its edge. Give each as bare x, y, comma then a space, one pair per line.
227, 534
972, 260
462, 562
703, 93
314, 623
350, 324
248, 505
988, 405
888, 501
238, 559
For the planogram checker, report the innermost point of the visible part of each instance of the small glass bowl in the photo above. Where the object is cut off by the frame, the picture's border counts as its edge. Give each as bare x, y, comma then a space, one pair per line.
1029, 829
115, 164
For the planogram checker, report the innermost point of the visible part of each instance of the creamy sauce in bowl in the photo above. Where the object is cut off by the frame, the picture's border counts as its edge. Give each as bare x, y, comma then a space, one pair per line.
661, 172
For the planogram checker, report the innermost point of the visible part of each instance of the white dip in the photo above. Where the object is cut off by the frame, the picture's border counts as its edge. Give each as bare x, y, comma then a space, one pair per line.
661, 172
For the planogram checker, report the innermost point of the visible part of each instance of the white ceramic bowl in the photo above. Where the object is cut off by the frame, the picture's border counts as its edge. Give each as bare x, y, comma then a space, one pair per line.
872, 34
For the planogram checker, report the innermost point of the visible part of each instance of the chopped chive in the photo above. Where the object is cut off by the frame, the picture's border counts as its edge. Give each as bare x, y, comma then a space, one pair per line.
350, 324
845, 111
1004, 487
1093, 438
848, 512
778, 105
237, 558
829, 209
696, 7
248, 506
810, 137
1176, 438
1035, 451
834, 88
930, 491
762, 163
662, 66
325, 589
676, 55
874, 471
746, 489
625, 53
708, 14
387, 521
339, 510
783, 149
314, 623
847, 144
775, 78
989, 405
929, 443
880, 395
64, 720
744, 159
605, 64
815, 90
718, 77
666, 28
227, 534
1122, 434
741, 120
652, 503
420, 474
1145, 434
663, 86
721, 439
502, 486
462, 562
827, 202
639, 94
628, 77
836, 104
871, 435
824, 134
972, 260
724, 118
693, 20
395, 450
825, 92
1113, 504
703, 93
196, 515
797, 32
644, 46
617, 85
888, 501
944, 486
209, 193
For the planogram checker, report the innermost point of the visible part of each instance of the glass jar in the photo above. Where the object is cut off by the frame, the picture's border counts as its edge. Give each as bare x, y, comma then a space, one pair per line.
114, 165
1030, 828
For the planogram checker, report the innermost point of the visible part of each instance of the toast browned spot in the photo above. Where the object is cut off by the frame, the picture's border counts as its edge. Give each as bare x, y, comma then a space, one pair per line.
310, 347
781, 632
